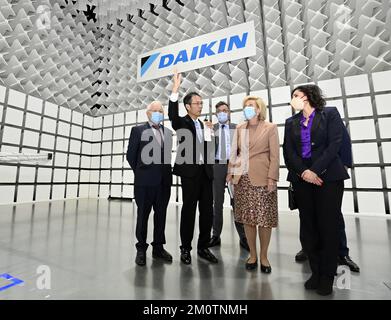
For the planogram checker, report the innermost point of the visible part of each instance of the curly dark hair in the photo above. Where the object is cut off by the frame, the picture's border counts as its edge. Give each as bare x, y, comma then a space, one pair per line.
313, 94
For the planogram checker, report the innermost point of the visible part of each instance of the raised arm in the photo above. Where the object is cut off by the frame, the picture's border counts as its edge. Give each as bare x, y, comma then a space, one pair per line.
173, 105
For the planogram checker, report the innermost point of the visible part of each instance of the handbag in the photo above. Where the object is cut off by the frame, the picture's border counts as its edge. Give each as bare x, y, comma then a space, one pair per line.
291, 198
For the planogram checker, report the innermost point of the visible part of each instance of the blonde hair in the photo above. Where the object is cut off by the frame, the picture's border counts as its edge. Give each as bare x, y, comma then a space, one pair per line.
260, 105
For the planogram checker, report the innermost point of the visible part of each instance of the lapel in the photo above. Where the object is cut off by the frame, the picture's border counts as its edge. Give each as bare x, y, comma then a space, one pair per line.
315, 123
190, 122
147, 126
259, 132
296, 129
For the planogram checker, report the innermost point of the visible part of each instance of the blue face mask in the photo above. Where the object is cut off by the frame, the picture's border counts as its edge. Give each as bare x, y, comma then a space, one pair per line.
157, 117
222, 117
249, 112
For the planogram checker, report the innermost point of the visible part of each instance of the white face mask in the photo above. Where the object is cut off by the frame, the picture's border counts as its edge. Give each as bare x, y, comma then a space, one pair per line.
297, 104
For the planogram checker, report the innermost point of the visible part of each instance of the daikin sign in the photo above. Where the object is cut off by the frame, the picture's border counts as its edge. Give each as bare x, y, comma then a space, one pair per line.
225, 45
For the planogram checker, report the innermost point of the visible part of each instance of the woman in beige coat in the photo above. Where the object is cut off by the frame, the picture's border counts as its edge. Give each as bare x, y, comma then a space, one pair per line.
254, 170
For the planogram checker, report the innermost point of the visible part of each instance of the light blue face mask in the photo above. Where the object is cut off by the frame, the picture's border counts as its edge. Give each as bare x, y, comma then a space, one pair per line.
157, 117
222, 117
249, 112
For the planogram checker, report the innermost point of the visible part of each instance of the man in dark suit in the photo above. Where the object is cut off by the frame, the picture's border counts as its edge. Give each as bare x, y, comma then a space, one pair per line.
345, 153
149, 156
194, 165
224, 131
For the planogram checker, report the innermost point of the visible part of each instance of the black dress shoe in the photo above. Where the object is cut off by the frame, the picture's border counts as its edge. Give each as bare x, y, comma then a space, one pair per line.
347, 261
325, 286
244, 245
162, 254
207, 255
266, 269
185, 256
312, 283
140, 258
214, 241
251, 266
301, 256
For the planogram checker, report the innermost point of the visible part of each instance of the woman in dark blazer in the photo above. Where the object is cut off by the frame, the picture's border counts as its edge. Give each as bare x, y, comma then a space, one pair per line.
312, 140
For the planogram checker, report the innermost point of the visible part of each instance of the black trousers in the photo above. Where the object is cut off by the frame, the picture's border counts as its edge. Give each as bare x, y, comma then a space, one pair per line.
343, 249
319, 209
156, 197
196, 190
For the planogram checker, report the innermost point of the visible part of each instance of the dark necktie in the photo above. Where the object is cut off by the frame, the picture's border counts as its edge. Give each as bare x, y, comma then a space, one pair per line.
158, 136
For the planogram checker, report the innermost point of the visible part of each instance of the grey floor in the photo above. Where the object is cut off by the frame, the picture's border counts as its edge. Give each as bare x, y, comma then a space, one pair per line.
88, 245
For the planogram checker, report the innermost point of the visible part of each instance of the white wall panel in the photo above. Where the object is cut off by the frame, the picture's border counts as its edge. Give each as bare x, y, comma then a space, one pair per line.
370, 202
65, 114
358, 107
16, 98
74, 160
75, 146
11, 135
25, 193
362, 129
76, 132
2, 93
49, 125
130, 117
331, 88
280, 95
108, 120
368, 178
383, 104
42, 192
34, 104
14, 116
8, 174
77, 118
44, 174
26, 174
385, 128
365, 152
71, 191
51, 109
64, 128
58, 192
62, 144
33, 121
30, 138
7, 194
59, 175
104, 191
356, 84
382, 80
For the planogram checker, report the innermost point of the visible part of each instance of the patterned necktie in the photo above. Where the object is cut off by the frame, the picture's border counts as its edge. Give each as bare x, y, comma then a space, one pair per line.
223, 144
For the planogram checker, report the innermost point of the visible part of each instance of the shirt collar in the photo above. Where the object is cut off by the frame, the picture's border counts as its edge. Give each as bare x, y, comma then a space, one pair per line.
302, 118
225, 124
153, 125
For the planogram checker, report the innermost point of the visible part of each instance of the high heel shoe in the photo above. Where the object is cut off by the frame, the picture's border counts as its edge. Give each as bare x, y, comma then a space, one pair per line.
251, 266
266, 269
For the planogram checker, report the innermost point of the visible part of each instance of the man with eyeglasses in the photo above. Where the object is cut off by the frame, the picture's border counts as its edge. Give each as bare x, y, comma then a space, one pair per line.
194, 164
224, 131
